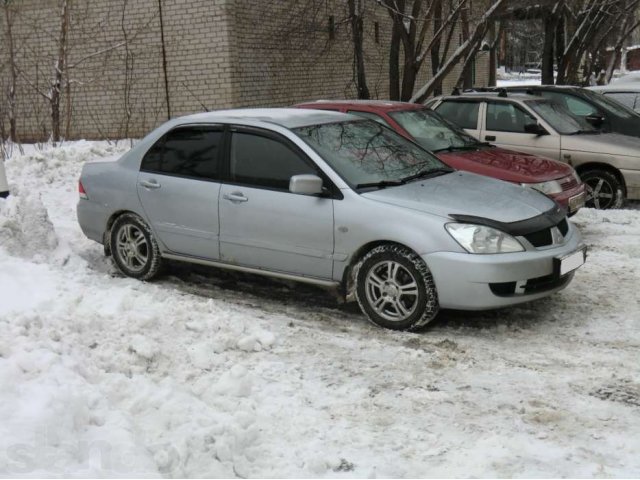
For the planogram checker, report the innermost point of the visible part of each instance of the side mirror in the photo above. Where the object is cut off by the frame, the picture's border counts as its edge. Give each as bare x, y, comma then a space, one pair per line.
595, 119
305, 184
535, 129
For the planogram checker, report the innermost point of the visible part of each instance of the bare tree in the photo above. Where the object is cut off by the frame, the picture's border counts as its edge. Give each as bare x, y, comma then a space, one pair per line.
356, 11
8, 11
465, 51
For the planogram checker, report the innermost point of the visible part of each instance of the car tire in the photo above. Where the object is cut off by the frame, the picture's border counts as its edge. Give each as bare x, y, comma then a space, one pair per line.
133, 248
395, 288
604, 189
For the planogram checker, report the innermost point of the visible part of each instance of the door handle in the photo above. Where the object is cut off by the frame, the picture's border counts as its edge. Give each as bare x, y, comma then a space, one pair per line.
490, 138
149, 184
235, 197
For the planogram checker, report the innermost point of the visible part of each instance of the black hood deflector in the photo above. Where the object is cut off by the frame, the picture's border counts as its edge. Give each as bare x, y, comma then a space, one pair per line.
548, 219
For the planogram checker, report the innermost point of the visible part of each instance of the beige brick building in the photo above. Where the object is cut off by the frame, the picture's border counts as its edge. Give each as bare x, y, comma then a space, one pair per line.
134, 63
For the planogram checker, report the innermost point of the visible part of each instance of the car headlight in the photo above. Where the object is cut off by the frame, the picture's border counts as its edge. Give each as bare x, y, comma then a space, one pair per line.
483, 239
576, 176
548, 188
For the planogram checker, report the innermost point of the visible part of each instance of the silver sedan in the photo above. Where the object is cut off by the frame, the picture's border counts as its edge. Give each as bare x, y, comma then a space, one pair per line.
330, 199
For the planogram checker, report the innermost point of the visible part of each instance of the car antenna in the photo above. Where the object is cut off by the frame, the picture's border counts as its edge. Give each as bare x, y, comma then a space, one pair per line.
502, 93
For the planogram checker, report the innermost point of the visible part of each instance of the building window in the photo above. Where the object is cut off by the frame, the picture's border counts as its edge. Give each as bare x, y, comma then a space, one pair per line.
332, 28
376, 30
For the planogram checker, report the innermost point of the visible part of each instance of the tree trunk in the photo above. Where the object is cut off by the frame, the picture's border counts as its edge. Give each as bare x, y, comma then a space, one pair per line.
13, 77
550, 28
58, 74
355, 15
394, 63
467, 69
435, 47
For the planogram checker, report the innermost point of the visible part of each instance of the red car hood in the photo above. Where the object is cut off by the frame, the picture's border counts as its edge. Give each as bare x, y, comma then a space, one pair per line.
506, 165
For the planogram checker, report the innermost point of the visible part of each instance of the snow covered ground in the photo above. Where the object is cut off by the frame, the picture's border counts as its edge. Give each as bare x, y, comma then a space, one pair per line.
209, 373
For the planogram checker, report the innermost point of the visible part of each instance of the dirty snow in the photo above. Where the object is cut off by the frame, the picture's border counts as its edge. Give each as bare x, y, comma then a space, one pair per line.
215, 374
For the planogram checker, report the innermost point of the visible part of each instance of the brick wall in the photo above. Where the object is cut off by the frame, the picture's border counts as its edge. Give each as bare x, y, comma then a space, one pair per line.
219, 54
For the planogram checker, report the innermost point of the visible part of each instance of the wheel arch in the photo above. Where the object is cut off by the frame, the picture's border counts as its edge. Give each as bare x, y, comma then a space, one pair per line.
584, 167
106, 236
348, 277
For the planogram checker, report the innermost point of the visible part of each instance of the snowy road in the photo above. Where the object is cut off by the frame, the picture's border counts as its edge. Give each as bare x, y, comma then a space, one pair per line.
208, 373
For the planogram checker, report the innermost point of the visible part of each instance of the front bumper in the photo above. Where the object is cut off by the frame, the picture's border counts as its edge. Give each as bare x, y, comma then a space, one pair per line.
467, 281
632, 182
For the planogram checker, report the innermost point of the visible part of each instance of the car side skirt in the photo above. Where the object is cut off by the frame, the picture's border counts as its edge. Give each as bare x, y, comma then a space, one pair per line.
258, 271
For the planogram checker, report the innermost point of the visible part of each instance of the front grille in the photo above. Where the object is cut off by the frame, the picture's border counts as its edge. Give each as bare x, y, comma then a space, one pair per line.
567, 183
541, 238
544, 238
563, 226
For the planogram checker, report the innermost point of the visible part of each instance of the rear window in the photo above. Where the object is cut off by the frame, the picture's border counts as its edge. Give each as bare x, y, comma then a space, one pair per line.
185, 152
463, 114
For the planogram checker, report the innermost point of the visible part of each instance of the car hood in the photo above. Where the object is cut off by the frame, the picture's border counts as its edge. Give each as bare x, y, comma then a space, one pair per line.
609, 143
462, 193
506, 165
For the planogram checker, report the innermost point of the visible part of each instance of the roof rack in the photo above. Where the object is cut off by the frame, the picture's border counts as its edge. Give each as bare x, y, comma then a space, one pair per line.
502, 93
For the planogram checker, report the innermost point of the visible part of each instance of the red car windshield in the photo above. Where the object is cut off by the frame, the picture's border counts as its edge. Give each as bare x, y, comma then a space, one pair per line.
432, 131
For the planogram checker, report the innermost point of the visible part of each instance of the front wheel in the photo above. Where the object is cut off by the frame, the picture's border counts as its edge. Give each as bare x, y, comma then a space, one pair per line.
134, 250
604, 189
395, 289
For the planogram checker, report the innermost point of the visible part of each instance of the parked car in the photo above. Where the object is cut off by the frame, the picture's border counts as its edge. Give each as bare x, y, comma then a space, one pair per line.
330, 199
4, 186
630, 77
627, 93
608, 163
601, 112
461, 151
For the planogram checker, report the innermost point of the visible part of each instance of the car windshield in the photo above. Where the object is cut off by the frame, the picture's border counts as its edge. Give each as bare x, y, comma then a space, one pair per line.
432, 131
609, 105
560, 118
367, 154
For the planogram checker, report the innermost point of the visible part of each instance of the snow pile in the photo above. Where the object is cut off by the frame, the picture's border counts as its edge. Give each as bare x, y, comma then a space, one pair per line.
214, 374
25, 228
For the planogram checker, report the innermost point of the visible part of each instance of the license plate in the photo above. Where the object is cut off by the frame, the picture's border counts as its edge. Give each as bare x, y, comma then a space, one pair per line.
570, 262
576, 202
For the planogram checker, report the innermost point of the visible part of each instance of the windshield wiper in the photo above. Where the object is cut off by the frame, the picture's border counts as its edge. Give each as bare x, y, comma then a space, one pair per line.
433, 172
582, 132
452, 148
380, 184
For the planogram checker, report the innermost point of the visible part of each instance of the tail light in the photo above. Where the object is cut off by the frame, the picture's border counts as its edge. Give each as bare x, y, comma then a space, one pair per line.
81, 191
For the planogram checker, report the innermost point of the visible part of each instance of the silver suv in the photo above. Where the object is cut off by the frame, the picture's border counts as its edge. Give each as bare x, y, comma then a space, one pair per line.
330, 199
608, 163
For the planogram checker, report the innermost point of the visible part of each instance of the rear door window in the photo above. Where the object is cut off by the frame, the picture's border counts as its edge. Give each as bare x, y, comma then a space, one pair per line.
463, 114
186, 152
507, 117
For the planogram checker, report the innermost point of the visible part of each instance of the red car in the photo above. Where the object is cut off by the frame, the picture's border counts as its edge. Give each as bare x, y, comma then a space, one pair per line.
461, 151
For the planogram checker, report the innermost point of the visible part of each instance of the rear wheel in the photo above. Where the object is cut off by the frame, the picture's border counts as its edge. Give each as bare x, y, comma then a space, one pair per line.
133, 248
395, 288
604, 189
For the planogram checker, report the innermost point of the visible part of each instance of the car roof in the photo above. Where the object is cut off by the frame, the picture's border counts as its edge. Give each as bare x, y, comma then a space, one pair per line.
492, 96
618, 87
284, 117
541, 87
366, 105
